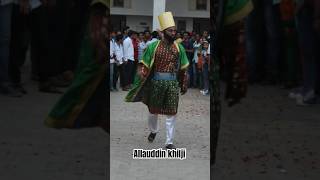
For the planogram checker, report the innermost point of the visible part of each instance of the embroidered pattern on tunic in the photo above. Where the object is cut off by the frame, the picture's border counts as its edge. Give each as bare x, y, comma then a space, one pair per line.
164, 94
166, 58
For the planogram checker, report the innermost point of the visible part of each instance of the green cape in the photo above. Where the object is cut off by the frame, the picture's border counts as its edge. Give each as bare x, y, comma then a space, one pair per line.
88, 76
139, 91
236, 10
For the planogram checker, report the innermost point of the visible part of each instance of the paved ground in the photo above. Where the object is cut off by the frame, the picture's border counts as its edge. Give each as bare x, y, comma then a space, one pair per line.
268, 137
29, 150
129, 130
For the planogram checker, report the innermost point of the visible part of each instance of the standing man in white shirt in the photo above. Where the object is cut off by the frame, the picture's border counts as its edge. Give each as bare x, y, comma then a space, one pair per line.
112, 63
196, 50
141, 46
128, 51
29, 26
119, 59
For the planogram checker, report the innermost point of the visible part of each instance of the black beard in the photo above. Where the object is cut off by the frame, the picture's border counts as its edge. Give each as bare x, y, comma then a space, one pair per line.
168, 38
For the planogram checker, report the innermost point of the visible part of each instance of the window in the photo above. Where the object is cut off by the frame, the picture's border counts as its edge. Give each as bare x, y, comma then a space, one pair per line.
118, 3
201, 4
181, 26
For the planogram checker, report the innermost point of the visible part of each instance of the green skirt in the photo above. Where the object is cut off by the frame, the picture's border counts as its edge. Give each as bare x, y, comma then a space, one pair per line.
73, 102
163, 97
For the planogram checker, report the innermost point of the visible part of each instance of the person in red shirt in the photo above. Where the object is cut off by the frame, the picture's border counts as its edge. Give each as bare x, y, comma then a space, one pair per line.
135, 41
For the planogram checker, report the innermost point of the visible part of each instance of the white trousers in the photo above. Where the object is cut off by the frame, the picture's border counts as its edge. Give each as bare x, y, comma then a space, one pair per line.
170, 126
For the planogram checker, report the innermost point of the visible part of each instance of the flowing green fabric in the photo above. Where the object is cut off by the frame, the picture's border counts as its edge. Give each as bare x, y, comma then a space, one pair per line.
141, 88
236, 10
88, 76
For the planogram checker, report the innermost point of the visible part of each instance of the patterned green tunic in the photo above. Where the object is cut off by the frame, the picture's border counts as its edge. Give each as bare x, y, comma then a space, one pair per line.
161, 96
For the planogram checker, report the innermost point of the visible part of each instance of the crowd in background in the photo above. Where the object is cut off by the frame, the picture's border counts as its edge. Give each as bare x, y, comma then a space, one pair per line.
279, 43
127, 48
282, 39
51, 30
274, 42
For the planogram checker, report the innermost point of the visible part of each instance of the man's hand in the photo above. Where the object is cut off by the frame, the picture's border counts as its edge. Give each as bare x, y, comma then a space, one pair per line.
183, 82
184, 90
142, 71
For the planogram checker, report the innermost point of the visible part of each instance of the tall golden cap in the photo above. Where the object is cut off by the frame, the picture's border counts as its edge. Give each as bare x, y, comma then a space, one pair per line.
166, 20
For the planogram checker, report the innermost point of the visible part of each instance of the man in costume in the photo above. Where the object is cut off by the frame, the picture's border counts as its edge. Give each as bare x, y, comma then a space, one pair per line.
84, 103
228, 28
233, 48
160, 77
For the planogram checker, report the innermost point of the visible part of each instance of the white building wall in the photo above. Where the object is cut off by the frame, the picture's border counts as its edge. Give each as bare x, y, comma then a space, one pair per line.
138, 11
134, 22
189, 23
159, 6
137, 7
180, 8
